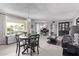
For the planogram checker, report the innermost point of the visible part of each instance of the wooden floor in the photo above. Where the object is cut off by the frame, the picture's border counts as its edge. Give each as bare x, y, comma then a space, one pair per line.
45, 49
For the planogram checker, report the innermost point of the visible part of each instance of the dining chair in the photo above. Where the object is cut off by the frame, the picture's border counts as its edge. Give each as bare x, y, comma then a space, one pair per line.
34, 42
37, 39
19, 44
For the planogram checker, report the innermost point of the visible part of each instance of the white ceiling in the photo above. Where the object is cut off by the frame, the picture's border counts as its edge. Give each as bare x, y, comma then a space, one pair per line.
42, 11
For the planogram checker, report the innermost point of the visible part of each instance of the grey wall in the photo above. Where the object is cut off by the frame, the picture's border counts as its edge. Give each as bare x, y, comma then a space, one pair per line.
2, 28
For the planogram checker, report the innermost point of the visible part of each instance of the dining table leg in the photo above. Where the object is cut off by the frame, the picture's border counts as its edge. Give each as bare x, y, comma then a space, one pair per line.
16, 48
38, 49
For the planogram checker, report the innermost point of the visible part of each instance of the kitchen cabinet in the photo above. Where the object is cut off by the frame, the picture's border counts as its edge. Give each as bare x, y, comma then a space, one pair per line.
10, 39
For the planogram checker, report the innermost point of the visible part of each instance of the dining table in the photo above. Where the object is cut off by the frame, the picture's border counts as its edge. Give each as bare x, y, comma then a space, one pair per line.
26, 41
22, 37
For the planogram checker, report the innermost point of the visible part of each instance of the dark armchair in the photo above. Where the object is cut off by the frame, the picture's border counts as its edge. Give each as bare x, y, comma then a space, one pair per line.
67, 45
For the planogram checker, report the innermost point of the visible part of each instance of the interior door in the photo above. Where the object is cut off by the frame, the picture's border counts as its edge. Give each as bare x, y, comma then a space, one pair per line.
63, 28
